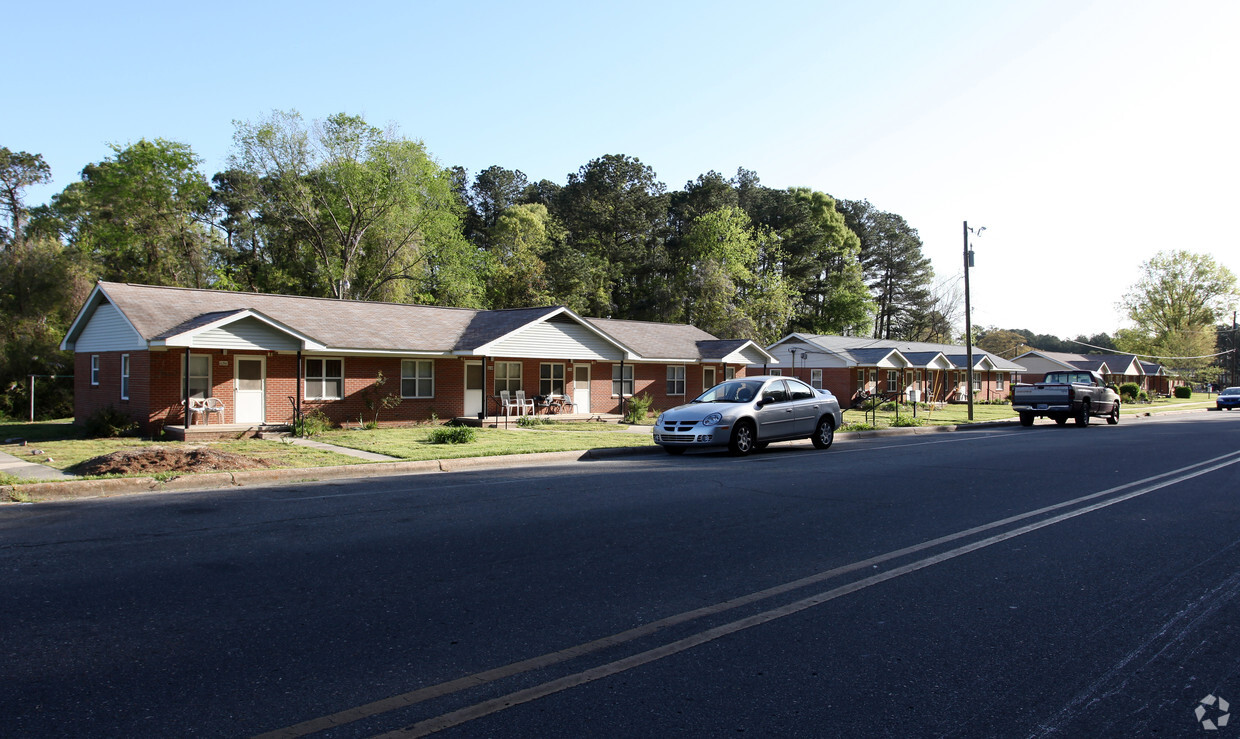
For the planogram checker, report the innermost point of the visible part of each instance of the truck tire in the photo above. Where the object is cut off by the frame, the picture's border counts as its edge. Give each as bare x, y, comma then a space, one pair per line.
1082, 416
1114, 417
1026, 419
1060, 420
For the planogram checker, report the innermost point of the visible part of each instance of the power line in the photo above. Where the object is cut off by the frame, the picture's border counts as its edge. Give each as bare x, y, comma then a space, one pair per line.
1147, 356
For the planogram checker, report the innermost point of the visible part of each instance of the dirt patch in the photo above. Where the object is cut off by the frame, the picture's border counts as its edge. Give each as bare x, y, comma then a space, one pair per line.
169, 459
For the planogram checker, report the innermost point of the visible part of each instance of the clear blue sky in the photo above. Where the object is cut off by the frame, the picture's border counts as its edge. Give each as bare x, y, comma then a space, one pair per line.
1086, 136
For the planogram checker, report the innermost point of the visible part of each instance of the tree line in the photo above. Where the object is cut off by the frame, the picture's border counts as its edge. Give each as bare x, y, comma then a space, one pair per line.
341, 208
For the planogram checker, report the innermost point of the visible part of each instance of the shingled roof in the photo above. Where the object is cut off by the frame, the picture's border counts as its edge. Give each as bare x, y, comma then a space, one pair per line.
160, 314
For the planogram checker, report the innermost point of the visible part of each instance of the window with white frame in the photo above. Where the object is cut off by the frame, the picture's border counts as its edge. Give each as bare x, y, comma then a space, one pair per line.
94, 369
999, 382
893, 380
729, 373
708, 378
622, 379
124, 377
675, 379
417, 378
861, 379
199, 375
977, 381
550, 379
815, 378
776, 372
507, 377
324, 379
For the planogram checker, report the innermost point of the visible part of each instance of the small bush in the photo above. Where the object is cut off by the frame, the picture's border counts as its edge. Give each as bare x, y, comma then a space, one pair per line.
453, 435
108, 422
639, 406
312, 424
531, 421
857, 427
1129, 391
1183, 392
906, 421
1143, 397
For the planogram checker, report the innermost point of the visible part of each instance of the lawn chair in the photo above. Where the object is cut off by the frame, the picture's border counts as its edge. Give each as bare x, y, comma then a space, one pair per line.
196, 409
508, 404
525, 403
213, 405
566, 402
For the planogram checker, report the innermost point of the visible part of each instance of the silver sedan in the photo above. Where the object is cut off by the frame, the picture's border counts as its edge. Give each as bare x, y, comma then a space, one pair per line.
748, 413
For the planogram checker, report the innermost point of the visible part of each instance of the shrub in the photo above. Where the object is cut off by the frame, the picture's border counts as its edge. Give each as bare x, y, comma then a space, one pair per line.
311, 424
453, 435
107, 422
532, 421
857, 427
906, 421
1143, 397
1129, 391
1183, 392
639, 406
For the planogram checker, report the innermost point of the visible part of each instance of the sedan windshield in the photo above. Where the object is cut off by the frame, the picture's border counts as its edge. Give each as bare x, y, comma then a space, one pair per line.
1231, 391
732, 391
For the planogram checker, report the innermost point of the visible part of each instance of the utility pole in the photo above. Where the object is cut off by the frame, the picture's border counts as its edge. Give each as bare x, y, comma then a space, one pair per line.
968, 320
1234, 349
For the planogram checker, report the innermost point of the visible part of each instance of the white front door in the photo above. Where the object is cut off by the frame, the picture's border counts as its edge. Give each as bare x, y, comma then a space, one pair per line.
581, 387
249, 390
473, 389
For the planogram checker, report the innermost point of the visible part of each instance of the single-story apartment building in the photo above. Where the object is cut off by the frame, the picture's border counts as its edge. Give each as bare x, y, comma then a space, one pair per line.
1115, 368
147, 351
853, 367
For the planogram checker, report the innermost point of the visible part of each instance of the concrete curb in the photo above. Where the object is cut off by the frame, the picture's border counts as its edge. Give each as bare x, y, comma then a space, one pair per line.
76, 489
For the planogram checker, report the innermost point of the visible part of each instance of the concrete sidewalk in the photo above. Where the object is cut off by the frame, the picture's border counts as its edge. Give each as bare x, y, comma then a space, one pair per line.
27, 470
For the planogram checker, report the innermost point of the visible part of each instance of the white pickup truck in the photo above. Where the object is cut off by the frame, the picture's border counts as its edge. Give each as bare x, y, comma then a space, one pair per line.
1064, 395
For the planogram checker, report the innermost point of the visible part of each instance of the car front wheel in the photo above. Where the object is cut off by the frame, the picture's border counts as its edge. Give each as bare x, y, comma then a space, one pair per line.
744, 438
824, 434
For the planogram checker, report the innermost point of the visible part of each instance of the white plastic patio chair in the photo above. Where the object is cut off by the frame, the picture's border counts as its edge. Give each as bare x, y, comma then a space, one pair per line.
527, 405
213, 405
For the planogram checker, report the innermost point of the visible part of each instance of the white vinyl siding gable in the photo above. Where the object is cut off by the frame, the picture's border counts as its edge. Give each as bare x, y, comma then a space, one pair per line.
108, 331
559, 339
247, 334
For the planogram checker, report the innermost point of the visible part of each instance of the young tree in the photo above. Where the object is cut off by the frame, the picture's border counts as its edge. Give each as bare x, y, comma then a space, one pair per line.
1179, 291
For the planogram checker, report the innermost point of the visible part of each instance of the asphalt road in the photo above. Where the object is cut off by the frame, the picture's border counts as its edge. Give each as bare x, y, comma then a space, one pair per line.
1014, 582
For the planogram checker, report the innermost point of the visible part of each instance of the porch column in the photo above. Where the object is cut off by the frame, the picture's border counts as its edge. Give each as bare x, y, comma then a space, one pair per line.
185, 391
297, 391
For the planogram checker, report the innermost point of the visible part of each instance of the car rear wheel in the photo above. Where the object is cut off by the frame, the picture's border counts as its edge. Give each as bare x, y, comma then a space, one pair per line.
744, 439
1114, 417
1026, 419
1082, 417
824, 434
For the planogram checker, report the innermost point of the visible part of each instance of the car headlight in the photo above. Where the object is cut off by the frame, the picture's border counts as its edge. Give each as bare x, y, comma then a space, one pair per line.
712, 419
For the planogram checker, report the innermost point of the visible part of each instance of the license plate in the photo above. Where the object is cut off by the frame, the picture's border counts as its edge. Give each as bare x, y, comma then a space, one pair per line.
1041, 406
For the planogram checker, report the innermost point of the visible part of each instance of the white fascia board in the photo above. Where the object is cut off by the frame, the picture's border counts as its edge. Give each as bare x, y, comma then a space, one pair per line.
96, 298
186, 338
484, 349
894, 360
736, 356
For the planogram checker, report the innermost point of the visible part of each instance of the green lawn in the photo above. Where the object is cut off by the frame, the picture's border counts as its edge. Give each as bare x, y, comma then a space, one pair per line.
65, 444
413, 443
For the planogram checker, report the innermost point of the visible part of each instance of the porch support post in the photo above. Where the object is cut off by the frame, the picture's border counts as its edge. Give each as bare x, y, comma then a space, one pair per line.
185, 391
483, 389
297, 397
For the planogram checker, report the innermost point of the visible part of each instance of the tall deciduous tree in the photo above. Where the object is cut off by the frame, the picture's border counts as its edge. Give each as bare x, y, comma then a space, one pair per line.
1174, 307
142, 215
378, 216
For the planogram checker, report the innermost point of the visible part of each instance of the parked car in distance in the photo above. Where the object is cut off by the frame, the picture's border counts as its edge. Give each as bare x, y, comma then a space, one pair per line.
1064, 395
1228, 399
748, 413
